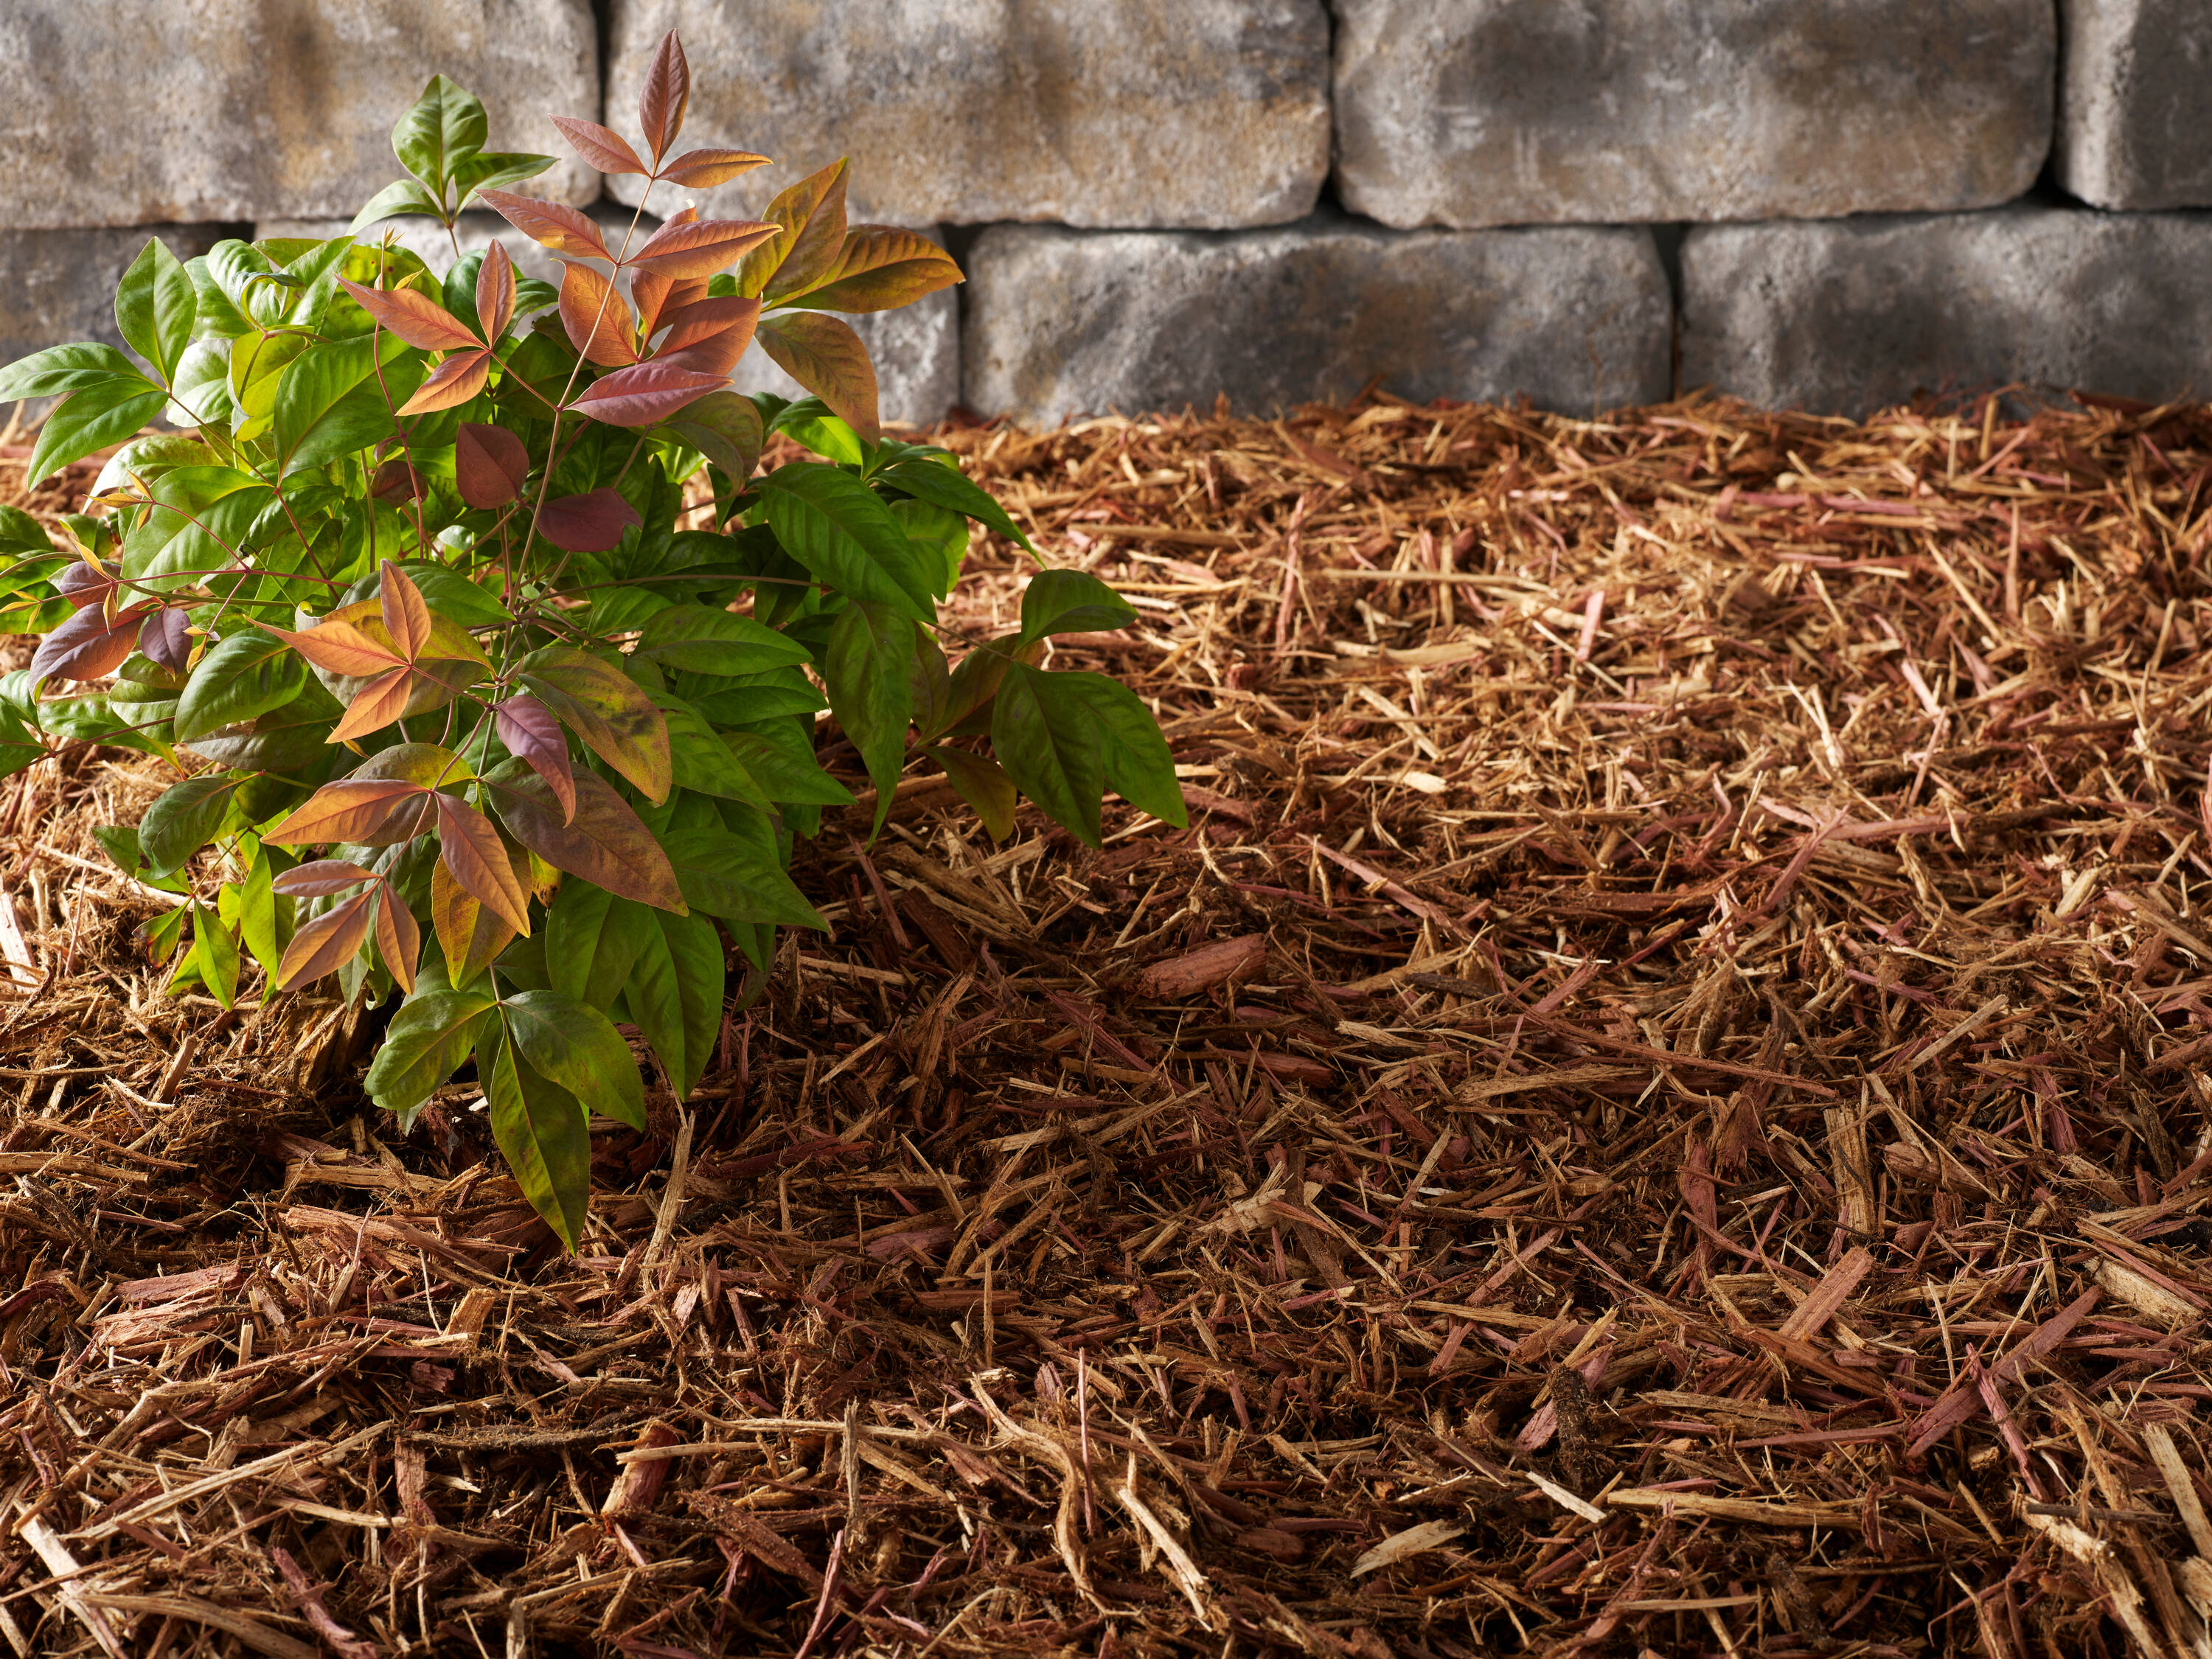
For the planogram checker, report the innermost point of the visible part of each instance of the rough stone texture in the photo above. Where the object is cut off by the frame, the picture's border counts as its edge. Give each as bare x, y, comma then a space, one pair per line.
1061, 321
915, 349
1129, 112
136, 112
1845, 318
2135, 111
1516, 112
58, 287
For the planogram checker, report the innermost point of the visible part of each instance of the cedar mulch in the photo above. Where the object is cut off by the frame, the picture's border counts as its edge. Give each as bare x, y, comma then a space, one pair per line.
1661, 1104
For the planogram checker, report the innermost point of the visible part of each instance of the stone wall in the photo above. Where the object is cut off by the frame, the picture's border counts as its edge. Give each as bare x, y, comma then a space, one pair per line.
1826, 203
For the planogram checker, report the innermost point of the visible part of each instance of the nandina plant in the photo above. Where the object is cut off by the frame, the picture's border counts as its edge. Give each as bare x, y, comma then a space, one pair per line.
491, 661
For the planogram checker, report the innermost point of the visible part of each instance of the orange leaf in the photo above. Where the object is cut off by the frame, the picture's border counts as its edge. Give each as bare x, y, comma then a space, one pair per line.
666, 94
702, 248
598, 321
456, 381
812, 215
324, 944
562, 230
470, 936
363, 811
398, 938
651, 290
341, 647
878, 268
471, 848
495, 292
702, 169
606, 150
406, 617
708, 336
375, 706
415, 318
320, 877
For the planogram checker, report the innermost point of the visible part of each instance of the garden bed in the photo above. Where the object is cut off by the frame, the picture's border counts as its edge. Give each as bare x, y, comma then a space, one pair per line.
1660, 1102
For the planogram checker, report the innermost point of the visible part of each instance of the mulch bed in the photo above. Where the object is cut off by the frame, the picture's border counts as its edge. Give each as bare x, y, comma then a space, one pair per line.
1660, 1104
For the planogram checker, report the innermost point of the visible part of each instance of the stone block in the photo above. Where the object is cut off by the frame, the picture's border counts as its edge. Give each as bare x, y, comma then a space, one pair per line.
1473, 112
2134, 104
1847, 317
58, 287
1062, 321
915, 349
140, 111
1134, 113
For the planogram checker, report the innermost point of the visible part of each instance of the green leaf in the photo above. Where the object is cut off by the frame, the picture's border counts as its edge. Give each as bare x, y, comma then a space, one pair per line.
870, 692
723, 427
843, 534
783, 776
592, 942
329, 402
675, 994
576, 1046
703, 763
1135, 755
708, 642
200, 389
495, 170
248, 674
215, 955
941, 535
736, 877
454, 596
1049, 747
543, 1132
604, 843
427, 1039
611, 711
946, 486
64, 368
1072, 602
809, 421
406, 197
445, 126
257, 912
184, 819
200, 522
89, 420
155, 308
983, 784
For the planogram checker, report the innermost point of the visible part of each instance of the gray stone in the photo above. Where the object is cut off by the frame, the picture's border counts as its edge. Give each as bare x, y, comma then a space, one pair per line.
1128, 113
1476, 112
2135, 108
136, 111
58, 287
1848, 317
915, 349
1062, 321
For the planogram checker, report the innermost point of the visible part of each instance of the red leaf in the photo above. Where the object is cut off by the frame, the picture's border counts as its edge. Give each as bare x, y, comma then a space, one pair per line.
397, 481
640, 396
827, 358
652, 291
341, 647
83, 584
598, 321
666, 93
608, 151
86, 645
456, 381
167, 638
325, 943
700, 249
529, 730
398, 937
495, 292
561, 230
489, 463
708, 336
406, 617
472, 850
604, 842
375, 706
587, 524
702, 169
320, 877
415, 318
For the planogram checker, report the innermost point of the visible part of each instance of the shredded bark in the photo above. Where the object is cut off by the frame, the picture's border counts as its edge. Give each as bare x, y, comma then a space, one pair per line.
1661, 1102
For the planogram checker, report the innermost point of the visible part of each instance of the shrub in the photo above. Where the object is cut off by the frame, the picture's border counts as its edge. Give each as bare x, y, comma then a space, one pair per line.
463, 694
